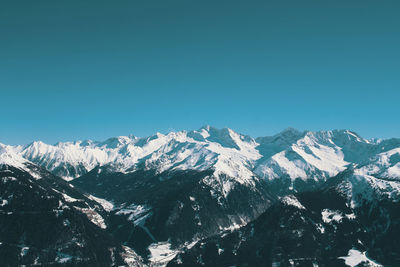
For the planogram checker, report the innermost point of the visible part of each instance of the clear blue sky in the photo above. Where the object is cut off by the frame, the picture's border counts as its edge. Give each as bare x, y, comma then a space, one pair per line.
94, 69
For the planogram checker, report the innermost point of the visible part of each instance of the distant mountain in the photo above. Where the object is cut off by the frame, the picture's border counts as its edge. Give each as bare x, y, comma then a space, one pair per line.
129, 151
173, 196
294, 154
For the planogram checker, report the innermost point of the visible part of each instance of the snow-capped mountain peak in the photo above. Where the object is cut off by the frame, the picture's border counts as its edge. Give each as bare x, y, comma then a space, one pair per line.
290, 153
200, 149
10, 157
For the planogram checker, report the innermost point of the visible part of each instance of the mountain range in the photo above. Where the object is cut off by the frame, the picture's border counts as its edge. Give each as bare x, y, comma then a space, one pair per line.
205, 197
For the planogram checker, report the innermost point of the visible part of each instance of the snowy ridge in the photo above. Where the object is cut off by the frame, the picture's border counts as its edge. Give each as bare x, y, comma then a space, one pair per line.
291, 200
314, 155
386, 165
8, 156
223, 150
359, 188
235, 158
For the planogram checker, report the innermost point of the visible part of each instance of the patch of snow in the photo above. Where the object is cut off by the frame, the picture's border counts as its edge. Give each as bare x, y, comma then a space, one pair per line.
234, 225
161, 253
292, 201
107, 205
66, 197
3, 202
66, 222
93, 216
130, 257
189, 245
137, 213
24, 251
350, 216
321, 228
355, 257
70, 199
329, 215
63, 258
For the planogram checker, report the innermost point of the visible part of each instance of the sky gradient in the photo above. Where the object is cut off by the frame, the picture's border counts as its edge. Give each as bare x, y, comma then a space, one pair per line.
74, 70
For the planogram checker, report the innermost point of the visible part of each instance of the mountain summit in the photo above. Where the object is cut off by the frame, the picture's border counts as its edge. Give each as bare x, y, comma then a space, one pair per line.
207, 147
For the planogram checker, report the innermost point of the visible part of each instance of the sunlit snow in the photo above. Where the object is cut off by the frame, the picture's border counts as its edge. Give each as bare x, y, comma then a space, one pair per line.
355, 257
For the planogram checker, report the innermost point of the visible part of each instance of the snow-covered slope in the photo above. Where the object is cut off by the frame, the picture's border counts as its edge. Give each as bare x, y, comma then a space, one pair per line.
10, 157
222, 149
384, 165
313, 155
309, 156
